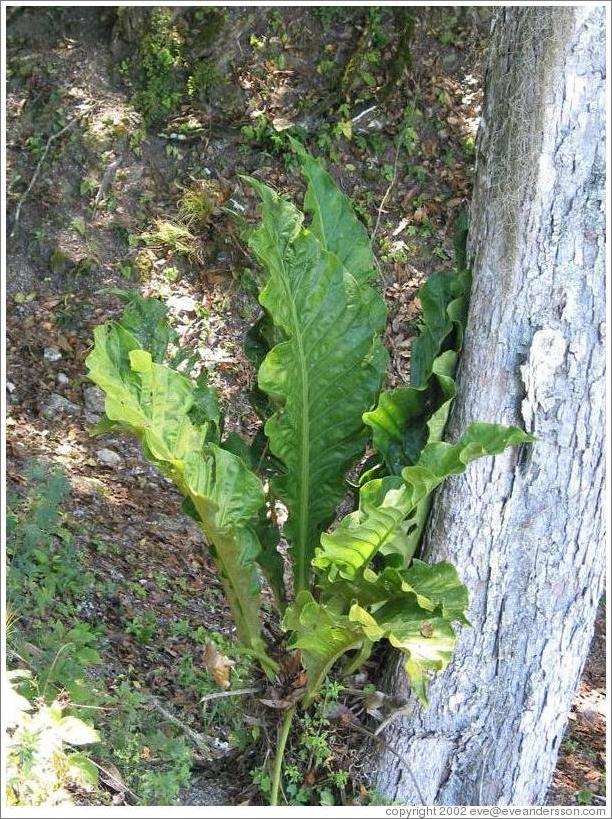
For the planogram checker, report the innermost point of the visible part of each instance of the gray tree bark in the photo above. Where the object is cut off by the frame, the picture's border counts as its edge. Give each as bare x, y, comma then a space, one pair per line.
526, 530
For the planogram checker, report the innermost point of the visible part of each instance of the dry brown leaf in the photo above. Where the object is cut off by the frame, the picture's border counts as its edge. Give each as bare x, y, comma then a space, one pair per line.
110, 776
218, 665
419, 215
63, 343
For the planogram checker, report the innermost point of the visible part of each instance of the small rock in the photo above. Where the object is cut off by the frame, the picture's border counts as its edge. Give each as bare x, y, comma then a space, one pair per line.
62, 379
94, 400
58, 405
108, 457
52, 354
168, 523
182, 304
10, 387
92, 418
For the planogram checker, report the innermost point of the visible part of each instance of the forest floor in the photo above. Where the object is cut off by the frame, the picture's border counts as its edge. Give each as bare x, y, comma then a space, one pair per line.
106, 209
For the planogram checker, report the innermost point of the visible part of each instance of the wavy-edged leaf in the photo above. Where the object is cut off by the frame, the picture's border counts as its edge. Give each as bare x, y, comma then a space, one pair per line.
407, 418
322, 377
427, 639
158, 405
444, 306
436, 585
386, 504
322, 635
337, 228
413, 609
433, 585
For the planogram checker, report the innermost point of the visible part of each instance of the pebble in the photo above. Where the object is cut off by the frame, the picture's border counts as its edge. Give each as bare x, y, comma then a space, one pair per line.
52, 354
94, 399
62, 379
58, 405
108, 457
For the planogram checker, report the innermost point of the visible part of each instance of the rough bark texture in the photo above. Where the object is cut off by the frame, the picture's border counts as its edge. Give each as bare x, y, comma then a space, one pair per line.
526, 529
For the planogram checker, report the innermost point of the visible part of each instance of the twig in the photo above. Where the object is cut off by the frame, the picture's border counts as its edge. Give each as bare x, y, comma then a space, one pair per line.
363, 114
107, 180
216, 695
388, 191
403, 711
121, 787
401, 758
199, 740
51, 139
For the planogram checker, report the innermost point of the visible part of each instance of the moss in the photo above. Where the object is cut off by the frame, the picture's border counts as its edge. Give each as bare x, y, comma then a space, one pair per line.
524, 64
207, 25
156, 71
143, 263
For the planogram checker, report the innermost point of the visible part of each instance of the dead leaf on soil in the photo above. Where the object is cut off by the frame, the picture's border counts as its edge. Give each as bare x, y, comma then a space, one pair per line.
218, 665
283, 703
110, 776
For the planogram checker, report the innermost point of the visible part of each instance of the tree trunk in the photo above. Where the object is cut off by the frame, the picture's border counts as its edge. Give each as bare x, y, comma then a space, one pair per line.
526, 529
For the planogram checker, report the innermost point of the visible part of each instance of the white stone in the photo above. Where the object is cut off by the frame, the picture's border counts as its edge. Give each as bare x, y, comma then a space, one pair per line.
52, 354
108, 457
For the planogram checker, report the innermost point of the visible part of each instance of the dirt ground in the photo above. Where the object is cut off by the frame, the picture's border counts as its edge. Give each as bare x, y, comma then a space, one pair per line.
103, 183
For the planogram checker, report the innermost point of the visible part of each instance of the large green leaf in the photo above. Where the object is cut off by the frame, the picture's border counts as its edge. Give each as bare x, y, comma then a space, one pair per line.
427, 639
333, 219
413, 609
433, 585
177, 424
324, 374
444, 306
407, 418
322, 635
387, 504
147, 320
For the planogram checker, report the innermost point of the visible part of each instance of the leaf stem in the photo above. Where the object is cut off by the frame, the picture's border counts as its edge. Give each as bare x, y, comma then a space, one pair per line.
283, 735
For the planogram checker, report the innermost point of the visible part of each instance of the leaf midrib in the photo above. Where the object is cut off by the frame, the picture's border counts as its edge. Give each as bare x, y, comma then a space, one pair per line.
301, 575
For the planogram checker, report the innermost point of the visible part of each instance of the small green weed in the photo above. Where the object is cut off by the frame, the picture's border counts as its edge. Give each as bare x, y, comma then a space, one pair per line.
155, 762
43, 765
156, 70
143, 627
46, 584
41, 556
